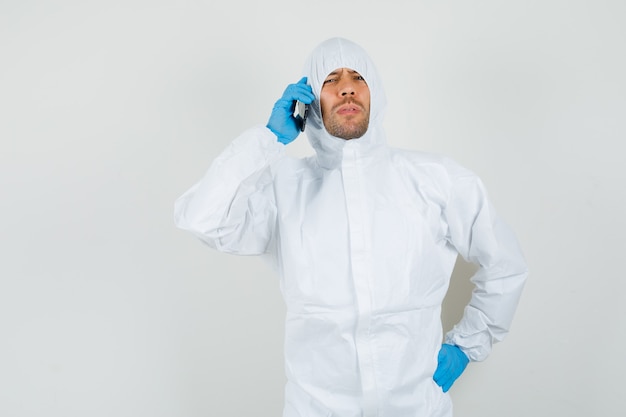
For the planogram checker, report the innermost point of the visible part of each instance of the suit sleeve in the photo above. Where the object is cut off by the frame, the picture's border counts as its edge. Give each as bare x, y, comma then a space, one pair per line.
233, 207
483, 238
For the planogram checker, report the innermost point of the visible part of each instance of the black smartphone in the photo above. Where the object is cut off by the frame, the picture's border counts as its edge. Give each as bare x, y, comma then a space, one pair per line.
302, 111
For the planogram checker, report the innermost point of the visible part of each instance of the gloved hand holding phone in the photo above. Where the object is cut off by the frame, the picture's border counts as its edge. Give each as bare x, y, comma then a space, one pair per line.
451, 363
282, 122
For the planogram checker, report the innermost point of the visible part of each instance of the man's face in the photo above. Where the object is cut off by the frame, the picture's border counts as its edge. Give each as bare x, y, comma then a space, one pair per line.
345, 101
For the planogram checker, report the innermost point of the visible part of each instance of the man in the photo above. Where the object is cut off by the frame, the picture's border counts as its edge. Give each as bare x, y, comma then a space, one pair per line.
365, 238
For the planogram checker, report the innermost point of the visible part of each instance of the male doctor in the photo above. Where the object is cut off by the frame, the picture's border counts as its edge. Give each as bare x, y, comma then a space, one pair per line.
364, 238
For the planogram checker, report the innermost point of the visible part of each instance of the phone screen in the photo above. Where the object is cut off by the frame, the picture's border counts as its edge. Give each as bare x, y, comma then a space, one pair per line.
302, 111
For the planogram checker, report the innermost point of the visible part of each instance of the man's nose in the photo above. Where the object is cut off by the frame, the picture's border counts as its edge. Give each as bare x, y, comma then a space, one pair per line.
346, 88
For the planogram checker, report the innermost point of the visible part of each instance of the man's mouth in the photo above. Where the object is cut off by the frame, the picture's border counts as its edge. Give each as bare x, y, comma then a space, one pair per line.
349, 108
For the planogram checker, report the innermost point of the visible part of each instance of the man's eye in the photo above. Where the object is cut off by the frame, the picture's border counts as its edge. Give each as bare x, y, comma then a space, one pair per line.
360, 78
329, 80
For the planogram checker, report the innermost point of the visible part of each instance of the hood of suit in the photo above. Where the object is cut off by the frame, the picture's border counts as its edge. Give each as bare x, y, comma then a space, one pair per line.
328, 56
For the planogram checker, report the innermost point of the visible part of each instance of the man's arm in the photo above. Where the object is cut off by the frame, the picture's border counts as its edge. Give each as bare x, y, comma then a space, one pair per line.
481, 237
232, 208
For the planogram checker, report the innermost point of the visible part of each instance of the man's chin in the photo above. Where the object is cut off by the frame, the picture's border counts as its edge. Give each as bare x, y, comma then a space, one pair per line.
348, 132
356, 135
347, 135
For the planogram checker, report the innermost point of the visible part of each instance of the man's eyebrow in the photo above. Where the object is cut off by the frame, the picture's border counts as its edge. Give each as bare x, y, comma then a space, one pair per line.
335, 72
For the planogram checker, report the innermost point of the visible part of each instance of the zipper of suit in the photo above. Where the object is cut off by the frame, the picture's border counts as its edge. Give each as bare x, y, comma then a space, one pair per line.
360, 251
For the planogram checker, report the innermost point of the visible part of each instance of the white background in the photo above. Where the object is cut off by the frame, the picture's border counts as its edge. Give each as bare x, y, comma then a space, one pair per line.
110, 110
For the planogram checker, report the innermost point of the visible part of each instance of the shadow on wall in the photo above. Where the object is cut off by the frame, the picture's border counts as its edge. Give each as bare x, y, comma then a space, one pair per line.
459, 293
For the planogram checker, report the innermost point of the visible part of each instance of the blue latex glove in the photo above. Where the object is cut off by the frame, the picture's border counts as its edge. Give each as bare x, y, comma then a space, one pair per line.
451, 364
282, 122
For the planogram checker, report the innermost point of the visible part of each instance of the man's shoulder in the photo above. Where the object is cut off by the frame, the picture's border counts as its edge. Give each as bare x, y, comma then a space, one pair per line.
430, 167
296, 168
423, 160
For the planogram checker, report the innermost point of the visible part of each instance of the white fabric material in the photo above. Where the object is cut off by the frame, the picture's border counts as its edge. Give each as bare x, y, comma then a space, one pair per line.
365, 238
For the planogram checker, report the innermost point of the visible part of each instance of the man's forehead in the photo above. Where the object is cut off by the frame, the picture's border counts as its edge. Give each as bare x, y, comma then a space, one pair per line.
340, 70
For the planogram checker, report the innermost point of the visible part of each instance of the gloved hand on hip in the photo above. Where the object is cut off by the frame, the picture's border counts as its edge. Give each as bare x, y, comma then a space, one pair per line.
451, 364
282, 122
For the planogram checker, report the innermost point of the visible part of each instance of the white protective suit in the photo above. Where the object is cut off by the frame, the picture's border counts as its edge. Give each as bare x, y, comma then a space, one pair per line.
365, 238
